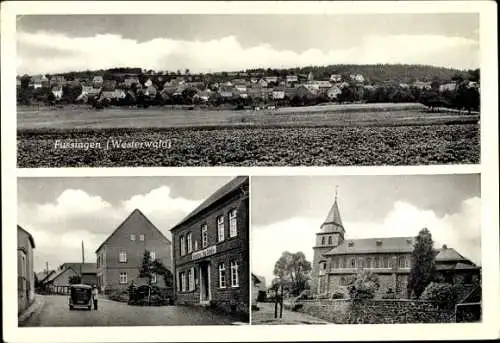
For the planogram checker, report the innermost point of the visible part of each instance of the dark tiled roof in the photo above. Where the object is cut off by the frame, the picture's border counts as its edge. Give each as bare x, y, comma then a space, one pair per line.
333, 219
374, 245
219, 194
135, 212
86, 268
448, 255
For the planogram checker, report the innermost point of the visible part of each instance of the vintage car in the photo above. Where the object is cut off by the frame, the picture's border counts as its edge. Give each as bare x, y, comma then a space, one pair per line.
80, 296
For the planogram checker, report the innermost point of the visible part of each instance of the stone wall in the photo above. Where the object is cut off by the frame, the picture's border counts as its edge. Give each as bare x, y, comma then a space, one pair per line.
377, 311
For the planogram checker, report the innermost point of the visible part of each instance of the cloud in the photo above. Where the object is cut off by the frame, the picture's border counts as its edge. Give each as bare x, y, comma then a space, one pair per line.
59, 227
460, 230
226, 53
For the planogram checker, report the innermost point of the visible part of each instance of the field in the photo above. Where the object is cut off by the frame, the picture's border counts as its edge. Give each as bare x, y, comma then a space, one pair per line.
385, 134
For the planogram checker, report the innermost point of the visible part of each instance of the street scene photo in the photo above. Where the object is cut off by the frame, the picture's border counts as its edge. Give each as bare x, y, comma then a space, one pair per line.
248, 90
133, 251
366, 249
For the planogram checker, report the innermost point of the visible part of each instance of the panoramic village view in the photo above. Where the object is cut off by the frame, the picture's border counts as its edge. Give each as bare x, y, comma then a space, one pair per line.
291, 102
136, 276
365, 272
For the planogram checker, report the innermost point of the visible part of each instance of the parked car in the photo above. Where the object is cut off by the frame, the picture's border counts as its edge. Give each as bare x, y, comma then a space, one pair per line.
80, 296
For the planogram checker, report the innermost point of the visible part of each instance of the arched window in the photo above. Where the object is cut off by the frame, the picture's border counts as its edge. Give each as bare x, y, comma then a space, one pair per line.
323, 240
330, 240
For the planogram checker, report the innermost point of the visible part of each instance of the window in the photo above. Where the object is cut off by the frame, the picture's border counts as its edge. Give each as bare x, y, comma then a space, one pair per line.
222, 276
376, 262
401, 262
233, 224
220, 228
353, 263
153, 255
323, 240
330, 240
132, 237
234, 274
385, 262
183, 281
123, 257
189, 242
204, 236
183, 245
368, 262
191, 279
361, 262
123, 278
141, 238
178, 279
195, 245
98, 261
153, 278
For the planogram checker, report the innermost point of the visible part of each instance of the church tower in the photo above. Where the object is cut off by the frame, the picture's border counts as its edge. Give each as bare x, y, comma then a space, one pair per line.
331, 235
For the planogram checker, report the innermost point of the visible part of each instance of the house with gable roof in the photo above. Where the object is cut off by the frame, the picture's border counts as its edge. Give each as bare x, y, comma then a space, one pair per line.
337, 259
120, 255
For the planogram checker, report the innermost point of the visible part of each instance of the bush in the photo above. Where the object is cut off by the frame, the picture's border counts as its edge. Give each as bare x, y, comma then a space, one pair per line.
305, 295
364, 286
442, 293
121, 296
339, 295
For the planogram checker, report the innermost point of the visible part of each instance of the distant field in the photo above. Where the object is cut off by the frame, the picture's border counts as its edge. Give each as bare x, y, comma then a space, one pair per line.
339, 136
332, 115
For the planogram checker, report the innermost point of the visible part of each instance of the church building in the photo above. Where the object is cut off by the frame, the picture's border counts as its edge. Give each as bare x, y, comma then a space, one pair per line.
337, 259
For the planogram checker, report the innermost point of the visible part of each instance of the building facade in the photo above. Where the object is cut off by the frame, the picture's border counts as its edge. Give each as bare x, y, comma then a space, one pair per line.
25, 272
211, 252
337, 260
120, 256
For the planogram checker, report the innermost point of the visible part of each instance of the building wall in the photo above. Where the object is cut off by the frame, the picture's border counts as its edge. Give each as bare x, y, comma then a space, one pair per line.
110, 266
26, 277
63, 279
235, 248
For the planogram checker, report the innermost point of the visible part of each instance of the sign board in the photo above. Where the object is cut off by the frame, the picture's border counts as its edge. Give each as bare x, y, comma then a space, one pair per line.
204, 253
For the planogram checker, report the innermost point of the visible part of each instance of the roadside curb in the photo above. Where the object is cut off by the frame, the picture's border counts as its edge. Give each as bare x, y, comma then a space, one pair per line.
35, 307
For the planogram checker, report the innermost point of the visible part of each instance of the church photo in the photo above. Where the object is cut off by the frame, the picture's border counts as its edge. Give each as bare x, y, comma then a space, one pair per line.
366, 249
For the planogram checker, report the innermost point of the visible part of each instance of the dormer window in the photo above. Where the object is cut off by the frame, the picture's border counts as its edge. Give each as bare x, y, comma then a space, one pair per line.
379, 243
350, 244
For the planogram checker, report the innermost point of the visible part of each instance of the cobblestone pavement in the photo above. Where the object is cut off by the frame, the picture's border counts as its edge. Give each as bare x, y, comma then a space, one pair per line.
56, 312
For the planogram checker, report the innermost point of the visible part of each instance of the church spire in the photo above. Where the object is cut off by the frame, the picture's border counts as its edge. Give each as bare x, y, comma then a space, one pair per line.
333, 222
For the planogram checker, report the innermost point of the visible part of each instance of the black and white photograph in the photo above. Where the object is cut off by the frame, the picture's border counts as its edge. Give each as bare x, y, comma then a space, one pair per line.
247, 90
133, 251
366, 249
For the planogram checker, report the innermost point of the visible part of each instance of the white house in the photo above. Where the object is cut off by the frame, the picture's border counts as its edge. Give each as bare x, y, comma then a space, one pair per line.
357, 77
278, 94
333, 92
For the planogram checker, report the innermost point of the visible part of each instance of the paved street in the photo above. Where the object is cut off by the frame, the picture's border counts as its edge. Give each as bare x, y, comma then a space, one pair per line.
55, 312
265, 315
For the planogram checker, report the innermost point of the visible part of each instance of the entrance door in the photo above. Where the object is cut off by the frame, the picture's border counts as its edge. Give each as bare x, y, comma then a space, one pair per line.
205, 294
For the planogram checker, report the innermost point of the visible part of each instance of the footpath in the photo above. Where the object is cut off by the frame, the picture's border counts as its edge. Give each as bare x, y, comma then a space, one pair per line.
265, 316
32, 309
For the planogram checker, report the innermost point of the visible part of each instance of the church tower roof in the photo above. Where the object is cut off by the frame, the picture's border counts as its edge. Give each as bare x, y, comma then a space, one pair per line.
333, 222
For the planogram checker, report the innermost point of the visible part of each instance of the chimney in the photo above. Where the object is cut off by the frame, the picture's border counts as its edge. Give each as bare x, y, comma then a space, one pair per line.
379, 243
350, 244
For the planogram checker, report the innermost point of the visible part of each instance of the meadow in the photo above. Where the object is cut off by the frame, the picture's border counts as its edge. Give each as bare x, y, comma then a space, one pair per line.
338, 135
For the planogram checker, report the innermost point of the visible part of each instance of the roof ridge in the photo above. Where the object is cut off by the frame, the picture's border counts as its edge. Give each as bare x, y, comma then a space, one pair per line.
136, 210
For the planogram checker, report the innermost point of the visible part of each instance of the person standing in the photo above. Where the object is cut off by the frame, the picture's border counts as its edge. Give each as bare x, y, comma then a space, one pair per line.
95, 294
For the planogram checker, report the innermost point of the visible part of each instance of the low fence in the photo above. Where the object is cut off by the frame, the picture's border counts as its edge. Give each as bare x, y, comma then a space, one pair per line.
375, 311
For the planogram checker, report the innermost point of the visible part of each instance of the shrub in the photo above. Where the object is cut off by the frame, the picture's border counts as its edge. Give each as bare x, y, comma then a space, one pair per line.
339, 295
305, 295
442, 293
121, 296
364, 286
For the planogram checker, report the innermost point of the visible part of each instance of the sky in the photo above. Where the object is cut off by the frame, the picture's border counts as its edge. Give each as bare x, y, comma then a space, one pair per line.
216, 42
61, 212
287, 212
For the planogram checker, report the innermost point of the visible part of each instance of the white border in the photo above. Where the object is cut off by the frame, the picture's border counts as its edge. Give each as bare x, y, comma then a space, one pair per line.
489, 328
